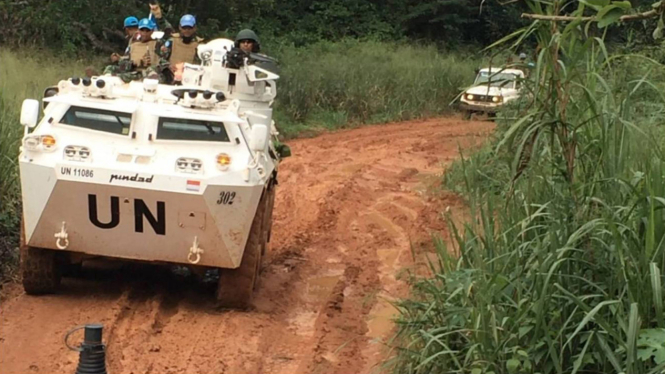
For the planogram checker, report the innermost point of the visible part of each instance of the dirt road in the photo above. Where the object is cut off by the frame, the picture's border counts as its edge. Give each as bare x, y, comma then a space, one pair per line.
350, 207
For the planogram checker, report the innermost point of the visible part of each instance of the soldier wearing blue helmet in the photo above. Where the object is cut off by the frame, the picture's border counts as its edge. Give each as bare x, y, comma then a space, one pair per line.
142, 57
145, 52
131, 27
180, 48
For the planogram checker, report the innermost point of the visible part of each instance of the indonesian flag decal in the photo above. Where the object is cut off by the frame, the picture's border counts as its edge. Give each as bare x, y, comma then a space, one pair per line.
193, 185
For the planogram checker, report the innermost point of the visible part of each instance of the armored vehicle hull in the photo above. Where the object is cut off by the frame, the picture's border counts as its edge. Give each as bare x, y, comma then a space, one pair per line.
143, 171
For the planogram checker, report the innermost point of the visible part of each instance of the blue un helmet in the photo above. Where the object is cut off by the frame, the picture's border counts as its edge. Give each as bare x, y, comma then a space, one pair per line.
187, 20
146, 24
131, 22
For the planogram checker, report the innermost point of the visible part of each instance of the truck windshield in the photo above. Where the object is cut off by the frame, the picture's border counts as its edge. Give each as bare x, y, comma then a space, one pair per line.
505, 80
189, 129
98, 120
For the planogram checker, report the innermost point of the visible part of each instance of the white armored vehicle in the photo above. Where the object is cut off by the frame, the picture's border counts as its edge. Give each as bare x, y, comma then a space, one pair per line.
492, 89
150, 172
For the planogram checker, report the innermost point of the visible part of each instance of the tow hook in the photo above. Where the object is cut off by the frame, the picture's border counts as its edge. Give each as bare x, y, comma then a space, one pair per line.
195, 252
61, 237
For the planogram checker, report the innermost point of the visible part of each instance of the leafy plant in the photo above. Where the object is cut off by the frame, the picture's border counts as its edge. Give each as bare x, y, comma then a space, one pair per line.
561, 268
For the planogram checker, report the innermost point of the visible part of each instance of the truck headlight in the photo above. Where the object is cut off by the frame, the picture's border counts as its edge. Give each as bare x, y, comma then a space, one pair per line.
470, 97
497, 99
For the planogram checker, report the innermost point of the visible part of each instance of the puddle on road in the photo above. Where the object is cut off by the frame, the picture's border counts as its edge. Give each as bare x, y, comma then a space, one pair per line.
379, 321
320, 288
304, 323
388, 258
385, 223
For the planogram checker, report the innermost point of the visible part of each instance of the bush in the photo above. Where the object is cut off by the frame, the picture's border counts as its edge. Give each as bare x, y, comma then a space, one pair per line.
330, 85
562, 269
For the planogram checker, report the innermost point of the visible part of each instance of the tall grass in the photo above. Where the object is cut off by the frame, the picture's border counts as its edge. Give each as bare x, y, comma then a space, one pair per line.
332, 85
21, 77
562, 268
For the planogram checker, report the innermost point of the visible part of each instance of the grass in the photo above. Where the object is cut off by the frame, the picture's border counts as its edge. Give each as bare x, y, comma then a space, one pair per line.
334, 85
562, 268
21, 77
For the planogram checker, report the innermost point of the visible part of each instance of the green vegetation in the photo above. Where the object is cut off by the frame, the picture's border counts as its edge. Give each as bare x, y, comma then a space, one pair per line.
562, 268
20, 78
331, 85
75, 26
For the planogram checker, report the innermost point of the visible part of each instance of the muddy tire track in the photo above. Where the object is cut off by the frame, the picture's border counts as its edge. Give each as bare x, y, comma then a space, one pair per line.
350, 208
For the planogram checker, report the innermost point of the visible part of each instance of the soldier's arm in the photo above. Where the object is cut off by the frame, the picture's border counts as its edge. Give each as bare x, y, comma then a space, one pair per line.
164, 25
165, 48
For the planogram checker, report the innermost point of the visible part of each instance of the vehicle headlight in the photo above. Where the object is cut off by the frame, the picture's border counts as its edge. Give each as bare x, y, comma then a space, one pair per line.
182, 163
77, 153
497, 99
189, 165
470, 97
44, 143
31, 142
196, 165
70, 151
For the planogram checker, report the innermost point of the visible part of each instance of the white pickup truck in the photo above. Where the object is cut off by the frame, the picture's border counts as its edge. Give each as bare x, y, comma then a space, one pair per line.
492, 89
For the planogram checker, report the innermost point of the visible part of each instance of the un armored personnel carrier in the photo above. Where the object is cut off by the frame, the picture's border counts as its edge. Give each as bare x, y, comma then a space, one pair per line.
143, 171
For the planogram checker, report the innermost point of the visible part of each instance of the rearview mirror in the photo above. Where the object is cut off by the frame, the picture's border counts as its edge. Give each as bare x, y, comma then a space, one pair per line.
259, 139
29, 113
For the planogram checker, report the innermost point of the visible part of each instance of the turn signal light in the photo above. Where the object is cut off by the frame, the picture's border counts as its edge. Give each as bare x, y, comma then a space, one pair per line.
48, 141
223, 161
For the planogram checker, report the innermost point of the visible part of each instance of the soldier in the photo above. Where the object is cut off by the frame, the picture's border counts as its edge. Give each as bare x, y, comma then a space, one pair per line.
181, 47
131, 27
144, 53
247, 41
142, 57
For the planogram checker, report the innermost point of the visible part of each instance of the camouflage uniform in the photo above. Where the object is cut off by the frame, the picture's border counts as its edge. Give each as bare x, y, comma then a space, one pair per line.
129, 69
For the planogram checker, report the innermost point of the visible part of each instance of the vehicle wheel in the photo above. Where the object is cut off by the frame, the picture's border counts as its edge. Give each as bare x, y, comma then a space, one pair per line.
73, 270
466, 115
236, 286
268, 218
40, 269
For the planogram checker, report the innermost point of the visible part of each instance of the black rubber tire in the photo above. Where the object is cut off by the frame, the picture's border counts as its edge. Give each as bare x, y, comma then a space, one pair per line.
466, 115
40, 269
270, 204
236, 286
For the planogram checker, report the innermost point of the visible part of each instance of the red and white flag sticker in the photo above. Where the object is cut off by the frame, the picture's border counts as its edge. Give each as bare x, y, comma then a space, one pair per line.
193, 185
